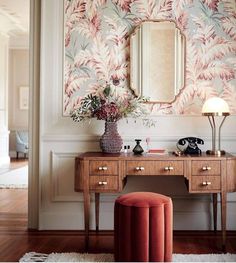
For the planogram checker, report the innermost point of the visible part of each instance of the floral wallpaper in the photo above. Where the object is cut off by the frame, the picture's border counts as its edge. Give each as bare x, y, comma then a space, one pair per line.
97, 48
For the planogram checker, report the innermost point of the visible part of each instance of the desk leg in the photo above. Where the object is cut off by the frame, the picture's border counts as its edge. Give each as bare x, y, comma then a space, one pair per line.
223, 220
86, 218
214, 196
97, 200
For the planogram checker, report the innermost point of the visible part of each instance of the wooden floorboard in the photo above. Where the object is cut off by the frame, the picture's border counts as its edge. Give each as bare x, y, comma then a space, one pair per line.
16, 240
14, 245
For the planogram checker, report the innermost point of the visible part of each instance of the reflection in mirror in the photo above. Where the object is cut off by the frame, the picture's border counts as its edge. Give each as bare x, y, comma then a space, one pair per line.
157, 60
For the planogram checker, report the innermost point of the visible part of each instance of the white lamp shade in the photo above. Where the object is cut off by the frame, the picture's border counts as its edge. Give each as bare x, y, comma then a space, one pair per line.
216, 106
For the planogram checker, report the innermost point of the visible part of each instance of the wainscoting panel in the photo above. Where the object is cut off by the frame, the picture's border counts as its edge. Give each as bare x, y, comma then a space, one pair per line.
62, 177
61, 140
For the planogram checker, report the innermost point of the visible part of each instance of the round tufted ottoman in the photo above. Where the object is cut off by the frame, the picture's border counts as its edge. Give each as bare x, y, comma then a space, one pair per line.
143, 227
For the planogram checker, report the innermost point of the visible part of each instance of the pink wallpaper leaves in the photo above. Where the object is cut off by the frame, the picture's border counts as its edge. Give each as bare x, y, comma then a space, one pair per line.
97, 48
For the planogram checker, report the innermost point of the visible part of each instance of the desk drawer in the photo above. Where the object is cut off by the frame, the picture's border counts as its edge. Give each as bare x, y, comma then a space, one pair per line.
205, 167
103, 168
103, 183
154, 167
205, 183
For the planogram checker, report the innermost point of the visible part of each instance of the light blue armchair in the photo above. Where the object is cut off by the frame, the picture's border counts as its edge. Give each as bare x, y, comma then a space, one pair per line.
21, 143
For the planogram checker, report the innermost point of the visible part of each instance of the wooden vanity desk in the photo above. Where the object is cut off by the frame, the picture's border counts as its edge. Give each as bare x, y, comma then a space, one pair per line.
97, 173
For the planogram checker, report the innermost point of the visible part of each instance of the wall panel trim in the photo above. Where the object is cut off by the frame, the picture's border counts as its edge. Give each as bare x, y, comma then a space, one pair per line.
95, 138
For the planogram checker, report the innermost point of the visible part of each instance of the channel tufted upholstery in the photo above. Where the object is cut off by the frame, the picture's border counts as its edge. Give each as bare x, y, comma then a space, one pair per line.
22, 143
143, 227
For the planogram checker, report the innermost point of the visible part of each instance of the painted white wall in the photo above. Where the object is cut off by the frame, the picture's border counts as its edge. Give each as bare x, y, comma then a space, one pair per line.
4, 133
19, 41
18, 76
61, 140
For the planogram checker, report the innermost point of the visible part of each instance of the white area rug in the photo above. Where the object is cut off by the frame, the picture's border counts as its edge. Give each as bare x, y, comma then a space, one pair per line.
78, 257
16, 178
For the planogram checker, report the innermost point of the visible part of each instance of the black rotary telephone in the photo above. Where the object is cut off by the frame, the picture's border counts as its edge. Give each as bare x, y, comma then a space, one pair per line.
191, 145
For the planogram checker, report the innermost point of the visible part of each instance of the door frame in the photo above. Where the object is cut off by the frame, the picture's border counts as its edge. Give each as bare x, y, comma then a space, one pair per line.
34, 114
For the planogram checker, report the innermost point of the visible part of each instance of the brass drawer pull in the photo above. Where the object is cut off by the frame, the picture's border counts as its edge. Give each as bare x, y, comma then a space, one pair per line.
169, 168
102, 168
206, 168
102, 183
206, 183
139, 168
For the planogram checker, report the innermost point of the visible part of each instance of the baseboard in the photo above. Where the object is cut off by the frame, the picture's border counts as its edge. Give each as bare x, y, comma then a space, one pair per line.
12, 154
176, 233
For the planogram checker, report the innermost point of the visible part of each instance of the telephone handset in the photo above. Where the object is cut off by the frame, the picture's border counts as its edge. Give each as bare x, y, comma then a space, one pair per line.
191, 144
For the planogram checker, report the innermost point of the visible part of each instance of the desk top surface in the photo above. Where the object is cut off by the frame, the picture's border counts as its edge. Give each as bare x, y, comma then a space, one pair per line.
147, 156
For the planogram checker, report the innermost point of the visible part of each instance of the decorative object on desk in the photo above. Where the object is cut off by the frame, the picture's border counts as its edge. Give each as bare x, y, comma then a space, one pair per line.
157, 151
126, 148
190, 145
177, 153
109, 104
111, 141
138, 148
148, 143
215, 107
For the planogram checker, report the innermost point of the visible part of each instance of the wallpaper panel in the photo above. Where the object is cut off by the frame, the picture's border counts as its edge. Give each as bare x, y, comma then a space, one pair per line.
97, 48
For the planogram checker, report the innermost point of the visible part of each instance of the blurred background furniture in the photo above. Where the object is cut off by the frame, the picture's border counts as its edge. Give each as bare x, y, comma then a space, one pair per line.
21, 143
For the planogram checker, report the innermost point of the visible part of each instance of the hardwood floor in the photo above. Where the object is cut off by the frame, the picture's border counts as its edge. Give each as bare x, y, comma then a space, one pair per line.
13, 209
14, 164
16, 240
14, 244
18, 163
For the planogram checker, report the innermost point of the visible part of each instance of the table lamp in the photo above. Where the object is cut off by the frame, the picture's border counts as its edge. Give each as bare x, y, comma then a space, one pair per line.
212, 108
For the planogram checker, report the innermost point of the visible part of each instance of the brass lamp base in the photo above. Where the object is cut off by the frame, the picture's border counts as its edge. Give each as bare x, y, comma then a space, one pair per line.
217, 152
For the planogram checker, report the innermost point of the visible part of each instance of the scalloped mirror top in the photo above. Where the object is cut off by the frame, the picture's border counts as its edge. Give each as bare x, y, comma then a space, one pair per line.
157, 61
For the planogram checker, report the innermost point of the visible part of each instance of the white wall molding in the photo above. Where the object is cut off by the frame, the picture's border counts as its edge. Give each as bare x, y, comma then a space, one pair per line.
95, 138
61, 168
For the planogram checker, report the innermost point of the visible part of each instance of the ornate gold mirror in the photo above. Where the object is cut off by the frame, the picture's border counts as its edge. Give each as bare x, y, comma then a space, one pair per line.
157, 61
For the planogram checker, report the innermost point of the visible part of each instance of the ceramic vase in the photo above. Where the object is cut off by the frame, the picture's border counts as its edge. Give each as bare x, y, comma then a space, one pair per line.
111, 141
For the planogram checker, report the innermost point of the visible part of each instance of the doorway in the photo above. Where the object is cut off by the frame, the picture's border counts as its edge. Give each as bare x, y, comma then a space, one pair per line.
14, 28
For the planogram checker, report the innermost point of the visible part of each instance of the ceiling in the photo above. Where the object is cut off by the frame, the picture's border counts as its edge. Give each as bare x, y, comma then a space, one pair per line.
14, 16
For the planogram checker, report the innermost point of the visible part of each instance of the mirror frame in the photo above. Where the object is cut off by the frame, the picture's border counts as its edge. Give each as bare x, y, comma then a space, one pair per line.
135, 90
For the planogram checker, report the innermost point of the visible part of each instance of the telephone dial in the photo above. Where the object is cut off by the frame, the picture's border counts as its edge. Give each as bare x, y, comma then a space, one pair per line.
190, 145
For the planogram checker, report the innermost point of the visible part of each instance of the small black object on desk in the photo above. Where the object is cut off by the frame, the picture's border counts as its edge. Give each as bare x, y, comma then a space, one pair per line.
191, 145
138, 148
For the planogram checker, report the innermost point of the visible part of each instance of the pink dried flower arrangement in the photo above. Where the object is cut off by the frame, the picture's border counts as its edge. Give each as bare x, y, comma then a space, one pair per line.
105, 104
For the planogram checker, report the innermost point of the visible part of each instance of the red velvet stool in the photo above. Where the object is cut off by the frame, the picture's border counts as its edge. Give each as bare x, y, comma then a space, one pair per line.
143, 227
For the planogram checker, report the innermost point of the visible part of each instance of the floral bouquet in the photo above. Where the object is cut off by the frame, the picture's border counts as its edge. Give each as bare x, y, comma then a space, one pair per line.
106, 103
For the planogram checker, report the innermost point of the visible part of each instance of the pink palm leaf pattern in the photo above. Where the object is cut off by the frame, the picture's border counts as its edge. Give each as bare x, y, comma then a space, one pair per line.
97, 48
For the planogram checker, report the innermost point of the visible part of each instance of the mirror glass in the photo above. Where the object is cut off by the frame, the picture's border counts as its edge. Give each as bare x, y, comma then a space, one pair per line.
157, 60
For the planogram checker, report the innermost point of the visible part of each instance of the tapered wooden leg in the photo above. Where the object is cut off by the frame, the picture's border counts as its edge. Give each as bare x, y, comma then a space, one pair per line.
17, 155
97, 201
214, 196
86, 218
223, 220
